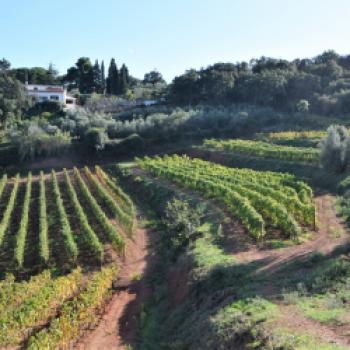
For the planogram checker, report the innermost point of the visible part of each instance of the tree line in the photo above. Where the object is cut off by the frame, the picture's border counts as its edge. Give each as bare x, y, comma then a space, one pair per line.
84, 76
320, 85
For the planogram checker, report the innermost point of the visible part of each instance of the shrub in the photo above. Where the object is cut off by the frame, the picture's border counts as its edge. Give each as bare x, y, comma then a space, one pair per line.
303, 106
182, 222
33, 141
96, 138
333, 149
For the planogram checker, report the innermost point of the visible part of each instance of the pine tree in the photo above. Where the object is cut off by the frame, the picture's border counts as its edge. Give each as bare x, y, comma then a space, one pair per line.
85, 75
113, 78
103, 78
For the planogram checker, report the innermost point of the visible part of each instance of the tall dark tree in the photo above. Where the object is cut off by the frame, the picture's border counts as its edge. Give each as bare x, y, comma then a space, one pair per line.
4, 64
72, 77
52, 72
85, 75
103, 78
123, 80
153, 77
112, 82
97, 76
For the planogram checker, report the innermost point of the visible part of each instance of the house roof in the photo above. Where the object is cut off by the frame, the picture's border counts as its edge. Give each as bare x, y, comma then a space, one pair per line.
44, 88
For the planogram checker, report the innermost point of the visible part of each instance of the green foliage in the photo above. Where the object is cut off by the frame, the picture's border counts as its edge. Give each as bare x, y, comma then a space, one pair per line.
52, 107
4, 224
3, 182
316, 85
125, 220
153, 77
181, 221
335, 149
303, 106
23, 226
44, 251
76, 314
120, 196
344, 185
95, 139
110, 230
82, 75
113, 80
265, 150
13, 100
36, 309
248, 197
69, 242
310, 138
89, 235
36, 75
118, 81
33, 140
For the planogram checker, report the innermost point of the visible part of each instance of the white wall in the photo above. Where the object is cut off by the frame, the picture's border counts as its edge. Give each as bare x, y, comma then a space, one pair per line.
41, 96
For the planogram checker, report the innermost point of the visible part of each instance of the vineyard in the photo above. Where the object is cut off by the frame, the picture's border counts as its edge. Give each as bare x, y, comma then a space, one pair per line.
258, 199
69, 238
265, 150
56, 235
292, 135
309, 138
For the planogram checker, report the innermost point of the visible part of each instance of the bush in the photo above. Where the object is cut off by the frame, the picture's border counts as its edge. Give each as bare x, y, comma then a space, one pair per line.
32, 141
303, 106
52, 107
344, 185
182, 222
333, 149
96, 138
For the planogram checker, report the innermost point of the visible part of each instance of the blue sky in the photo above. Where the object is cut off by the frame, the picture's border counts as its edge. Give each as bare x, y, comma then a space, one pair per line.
171, 36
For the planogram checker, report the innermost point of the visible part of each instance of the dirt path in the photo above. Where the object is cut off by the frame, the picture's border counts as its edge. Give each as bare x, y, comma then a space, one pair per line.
290, 318
331, 234
118, 325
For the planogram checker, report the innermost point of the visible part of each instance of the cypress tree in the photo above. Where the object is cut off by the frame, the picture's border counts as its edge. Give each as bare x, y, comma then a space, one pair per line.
103, 78
124, 80
97, 77
113, 78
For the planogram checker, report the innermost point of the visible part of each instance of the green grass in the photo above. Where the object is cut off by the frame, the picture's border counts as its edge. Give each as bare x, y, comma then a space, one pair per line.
324, 309
284, 338
223, 309
208, 255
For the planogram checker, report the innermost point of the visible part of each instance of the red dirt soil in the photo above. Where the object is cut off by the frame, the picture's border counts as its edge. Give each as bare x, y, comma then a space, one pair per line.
329, 235
119, 323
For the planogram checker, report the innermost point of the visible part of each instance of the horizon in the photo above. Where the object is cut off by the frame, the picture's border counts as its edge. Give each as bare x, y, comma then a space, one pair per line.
171, 38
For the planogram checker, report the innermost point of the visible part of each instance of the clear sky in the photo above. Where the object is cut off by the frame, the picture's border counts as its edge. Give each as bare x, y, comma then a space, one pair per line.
170, 35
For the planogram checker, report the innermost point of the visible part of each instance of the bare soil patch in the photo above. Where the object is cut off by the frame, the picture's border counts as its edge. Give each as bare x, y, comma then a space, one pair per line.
330, 234
119, 323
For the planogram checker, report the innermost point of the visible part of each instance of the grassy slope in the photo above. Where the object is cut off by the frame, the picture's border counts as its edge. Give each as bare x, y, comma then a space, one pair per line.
228, 304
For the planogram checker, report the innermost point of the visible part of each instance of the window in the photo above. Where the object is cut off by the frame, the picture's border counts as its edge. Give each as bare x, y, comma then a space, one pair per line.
54, 97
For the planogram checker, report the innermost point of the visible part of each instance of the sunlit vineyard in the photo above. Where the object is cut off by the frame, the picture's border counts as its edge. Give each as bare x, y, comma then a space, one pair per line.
309, 138
55, 232
258, 199
265, 150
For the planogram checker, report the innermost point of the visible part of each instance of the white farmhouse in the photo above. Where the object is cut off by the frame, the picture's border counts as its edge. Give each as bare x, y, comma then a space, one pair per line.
51, 93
